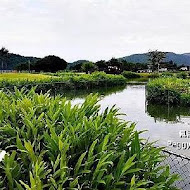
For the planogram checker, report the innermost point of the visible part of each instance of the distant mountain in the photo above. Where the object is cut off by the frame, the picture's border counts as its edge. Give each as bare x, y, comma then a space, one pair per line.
188, 54
12, 60
76, 63
176, 58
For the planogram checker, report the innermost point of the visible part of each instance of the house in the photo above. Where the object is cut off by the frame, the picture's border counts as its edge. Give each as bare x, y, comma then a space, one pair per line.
163, 69
145, 71
184, 68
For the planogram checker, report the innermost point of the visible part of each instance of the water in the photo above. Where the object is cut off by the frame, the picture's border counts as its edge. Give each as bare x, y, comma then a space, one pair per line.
164, 123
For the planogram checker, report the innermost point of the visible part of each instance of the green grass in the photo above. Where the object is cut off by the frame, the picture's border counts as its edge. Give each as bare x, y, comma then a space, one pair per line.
23, 76
54, 145
169, 91
133, 75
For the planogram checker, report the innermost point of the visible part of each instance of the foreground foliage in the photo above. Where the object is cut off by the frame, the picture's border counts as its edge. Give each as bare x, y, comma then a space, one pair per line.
51, 144
169, 91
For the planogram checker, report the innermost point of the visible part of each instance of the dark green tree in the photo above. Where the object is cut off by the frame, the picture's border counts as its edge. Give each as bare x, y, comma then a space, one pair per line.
50, 63
155, 58
89, 67
3, 54
101, 65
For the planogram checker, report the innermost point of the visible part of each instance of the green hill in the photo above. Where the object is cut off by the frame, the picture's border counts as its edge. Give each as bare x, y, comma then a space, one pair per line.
12, 60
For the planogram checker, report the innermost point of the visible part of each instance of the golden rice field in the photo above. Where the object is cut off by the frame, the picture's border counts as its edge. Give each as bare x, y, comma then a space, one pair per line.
23, 76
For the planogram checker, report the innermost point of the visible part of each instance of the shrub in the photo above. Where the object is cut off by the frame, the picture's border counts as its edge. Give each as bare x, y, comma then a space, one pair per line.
52, 144
130, 75
169, 91
183, 75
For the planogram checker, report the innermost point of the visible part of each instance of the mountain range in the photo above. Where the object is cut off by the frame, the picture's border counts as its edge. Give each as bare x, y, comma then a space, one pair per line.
12, 60
179, 59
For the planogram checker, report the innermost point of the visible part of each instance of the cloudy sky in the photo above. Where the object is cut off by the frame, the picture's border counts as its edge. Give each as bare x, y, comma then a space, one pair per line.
94, 29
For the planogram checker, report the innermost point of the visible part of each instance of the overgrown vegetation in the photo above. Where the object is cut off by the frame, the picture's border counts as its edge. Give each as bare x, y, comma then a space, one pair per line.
169, 91
130, 75
64, 80
53, 145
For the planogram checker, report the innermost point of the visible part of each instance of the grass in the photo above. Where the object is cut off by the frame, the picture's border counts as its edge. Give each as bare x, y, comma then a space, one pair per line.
133, 75
23, 76
52, 144
170, 90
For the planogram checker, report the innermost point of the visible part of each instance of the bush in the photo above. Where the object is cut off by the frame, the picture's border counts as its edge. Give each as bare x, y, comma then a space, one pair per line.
130, 75
51, 144
183, 75
169, 91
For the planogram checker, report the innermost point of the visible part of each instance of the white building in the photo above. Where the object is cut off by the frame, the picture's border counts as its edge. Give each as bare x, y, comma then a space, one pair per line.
183, 69
163, 69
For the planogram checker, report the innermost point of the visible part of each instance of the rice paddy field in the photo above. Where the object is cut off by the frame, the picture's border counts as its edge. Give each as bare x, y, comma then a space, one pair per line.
23, 76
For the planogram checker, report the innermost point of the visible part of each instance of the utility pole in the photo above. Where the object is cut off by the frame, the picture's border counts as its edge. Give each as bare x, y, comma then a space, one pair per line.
1, 66
158, 67
29, 66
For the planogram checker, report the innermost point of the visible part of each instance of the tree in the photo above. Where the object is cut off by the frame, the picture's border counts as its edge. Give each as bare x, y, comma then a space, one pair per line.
155, 58
114, 66
23, 66
88, 67
3, 53
50, 63
102, 65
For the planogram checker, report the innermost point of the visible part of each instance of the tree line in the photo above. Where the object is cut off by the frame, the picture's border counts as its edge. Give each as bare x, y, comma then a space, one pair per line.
54, 63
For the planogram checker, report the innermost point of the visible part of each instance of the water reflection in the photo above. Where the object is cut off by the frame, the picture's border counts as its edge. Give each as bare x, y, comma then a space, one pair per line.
167, 113
81, 94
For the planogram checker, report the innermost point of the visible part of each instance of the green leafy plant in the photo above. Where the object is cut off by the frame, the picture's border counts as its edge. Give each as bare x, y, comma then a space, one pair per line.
52, 144
169, 91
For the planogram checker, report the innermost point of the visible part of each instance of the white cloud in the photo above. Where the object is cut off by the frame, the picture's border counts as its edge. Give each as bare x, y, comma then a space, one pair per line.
94, 29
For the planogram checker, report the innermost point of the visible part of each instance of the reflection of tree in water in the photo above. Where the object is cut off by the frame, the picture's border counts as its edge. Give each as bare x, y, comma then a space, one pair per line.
167, 113
82, 93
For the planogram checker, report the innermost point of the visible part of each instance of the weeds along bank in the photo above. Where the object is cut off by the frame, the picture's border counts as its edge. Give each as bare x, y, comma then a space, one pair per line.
169, 91
51, 144
133, 75
65, 81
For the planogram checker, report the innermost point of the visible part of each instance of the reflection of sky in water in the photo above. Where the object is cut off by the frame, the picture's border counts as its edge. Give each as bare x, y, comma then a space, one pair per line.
131, 101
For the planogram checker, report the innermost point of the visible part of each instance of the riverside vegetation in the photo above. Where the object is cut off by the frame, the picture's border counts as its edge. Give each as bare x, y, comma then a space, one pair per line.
169, 90
52, 144
67, 80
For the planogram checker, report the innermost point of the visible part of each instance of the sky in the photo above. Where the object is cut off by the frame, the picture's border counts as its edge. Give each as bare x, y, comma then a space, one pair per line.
94, 29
